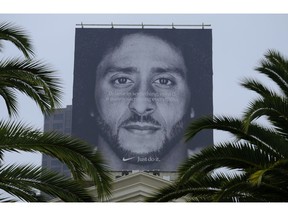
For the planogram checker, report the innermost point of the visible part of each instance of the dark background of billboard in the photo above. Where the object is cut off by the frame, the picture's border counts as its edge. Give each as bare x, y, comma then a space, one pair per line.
90, 46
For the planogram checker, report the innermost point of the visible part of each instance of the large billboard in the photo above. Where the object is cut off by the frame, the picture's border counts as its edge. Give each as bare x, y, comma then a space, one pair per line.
135, 91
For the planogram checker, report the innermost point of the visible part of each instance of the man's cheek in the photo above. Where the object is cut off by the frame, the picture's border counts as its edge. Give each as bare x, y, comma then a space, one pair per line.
113, 113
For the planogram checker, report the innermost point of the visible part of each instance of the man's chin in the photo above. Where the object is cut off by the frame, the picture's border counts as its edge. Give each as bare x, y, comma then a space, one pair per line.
141, 142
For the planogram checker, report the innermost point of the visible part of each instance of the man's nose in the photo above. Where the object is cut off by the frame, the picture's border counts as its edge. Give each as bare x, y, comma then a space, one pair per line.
142, 104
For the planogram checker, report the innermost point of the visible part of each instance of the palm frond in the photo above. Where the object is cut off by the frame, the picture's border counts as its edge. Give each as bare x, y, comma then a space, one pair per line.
5, 198
258, 87
79, 157
258, 156
191, 188
234, 156
20, 181
9, 97
268, 140
274, 108
275, 66
270, 193
257, 135
33, 78
223, 123
17, 36
276, 175
201, 187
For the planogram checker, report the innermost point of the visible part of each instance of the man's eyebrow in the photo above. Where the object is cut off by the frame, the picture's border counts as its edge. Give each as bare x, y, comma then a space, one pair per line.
113, 69
176, 70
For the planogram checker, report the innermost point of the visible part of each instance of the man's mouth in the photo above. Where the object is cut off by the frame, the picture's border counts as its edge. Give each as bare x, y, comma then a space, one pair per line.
141, 128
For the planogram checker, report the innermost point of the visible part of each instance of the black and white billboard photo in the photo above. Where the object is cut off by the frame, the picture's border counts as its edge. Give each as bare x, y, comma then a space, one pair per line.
136, 90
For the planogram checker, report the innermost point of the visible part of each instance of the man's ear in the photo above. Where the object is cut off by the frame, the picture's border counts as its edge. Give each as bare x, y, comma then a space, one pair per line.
192, 113
92, 113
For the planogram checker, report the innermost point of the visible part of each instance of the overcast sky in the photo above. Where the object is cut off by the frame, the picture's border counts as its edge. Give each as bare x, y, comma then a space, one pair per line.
239, 42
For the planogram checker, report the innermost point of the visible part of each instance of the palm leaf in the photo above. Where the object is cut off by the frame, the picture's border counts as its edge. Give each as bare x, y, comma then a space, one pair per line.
274, 108
268, 140
79, 157
20, 181
275, 66
4, 199
234, 156
223, 123
33, 78
17, 36
258, 156
9, 97
201, 187
191, 188
260, 136
258, 87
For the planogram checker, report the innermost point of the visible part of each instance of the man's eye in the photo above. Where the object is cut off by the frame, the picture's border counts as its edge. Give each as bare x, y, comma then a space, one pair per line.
122, 81
164, 81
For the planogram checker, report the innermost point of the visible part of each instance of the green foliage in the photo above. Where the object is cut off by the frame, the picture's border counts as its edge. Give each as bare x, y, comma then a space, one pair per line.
36, 80
253, 167
33, 78
22, 181
80, 158
17, 36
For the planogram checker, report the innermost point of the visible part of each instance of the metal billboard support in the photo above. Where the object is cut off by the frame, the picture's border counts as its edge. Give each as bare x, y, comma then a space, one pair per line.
142, 25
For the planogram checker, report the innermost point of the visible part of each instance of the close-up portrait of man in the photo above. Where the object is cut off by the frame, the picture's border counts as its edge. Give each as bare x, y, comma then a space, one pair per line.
136, 90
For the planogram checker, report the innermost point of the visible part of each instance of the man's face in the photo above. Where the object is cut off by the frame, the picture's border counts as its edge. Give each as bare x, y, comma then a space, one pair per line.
141, 96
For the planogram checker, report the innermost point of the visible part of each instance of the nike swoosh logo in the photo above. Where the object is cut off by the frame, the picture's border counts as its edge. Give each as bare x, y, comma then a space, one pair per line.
127, 159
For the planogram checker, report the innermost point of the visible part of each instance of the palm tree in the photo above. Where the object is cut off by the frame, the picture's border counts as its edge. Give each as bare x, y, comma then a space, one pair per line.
253, 167
33, 78
38, 82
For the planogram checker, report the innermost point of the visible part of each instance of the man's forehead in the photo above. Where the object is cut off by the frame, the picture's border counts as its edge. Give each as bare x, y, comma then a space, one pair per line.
142, 49
145, 42
141, 37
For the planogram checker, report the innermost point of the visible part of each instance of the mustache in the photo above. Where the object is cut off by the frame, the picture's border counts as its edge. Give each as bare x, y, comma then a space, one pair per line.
135, 118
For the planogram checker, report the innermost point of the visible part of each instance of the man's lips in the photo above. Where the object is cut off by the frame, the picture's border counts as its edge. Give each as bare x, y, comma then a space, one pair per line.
141, 128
